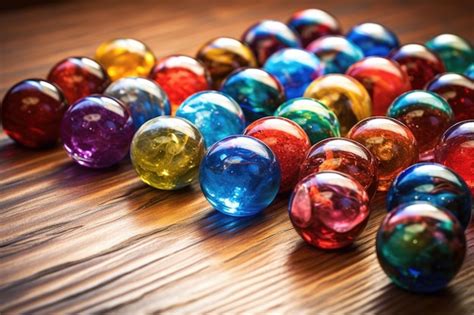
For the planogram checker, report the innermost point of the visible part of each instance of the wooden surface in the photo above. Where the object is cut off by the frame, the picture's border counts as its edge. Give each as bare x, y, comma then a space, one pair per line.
73, 239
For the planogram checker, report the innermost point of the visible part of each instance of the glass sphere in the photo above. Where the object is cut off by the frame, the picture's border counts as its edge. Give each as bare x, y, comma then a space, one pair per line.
456, 52
374, 39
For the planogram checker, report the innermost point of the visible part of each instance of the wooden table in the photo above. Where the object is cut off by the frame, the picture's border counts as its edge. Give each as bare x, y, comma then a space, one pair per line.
74, 239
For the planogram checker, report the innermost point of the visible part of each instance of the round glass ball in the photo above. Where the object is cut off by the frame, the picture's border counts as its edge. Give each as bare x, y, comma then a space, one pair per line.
374, 39
456, 52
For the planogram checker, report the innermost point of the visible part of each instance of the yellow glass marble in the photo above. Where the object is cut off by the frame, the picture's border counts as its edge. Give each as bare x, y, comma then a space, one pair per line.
348, 99
125, 57
166, 152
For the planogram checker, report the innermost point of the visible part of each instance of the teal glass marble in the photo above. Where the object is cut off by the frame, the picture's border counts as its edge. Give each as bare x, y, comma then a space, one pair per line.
215, 114
316, 119
374, 39
455, 52
294, 68
420, 247
470, 72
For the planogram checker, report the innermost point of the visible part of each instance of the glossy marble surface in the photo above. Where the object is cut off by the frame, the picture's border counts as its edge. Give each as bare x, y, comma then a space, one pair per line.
374, 39
470, 72
456, 52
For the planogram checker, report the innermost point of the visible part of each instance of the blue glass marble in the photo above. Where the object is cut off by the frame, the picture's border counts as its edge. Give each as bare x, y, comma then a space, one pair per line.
374, 39
294, 68
470, 72
435, 184
215, 114
240, 176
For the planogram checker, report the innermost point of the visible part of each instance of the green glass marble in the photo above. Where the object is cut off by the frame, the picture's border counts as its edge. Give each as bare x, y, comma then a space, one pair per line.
456, 52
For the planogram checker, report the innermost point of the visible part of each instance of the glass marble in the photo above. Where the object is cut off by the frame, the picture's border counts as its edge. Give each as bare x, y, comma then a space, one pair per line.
344, 95
240, 176
287, 140
420, 64
336, 53
392, 144
311, 24
143, 98
32, 111
267, 37
426, 114
470, 72
215, 114
166, 152
456, 150
345, 156
294, 68
383, 78
223, 55
329, 210
458, 90
96, 131
316, 119
456, 52
78, 77
125, 57
435, 184
374, 39
257, 92
420, 247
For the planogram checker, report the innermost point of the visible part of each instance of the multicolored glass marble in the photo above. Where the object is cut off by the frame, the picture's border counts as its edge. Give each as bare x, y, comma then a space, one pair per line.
383, 79
79, 77
456, 52
267, 37
336, 53
32, 111
143, 98
239, 176
223, 55
456, 150
329, 210
180, 76
420, 247
125, 57
345, 96
257, 92
391, 142
420, 64
374, 39
470, 72
458, 90
345, 156
426, 114
215, 114
435, 184
311, 24
96, 131
316, 119
166, 152
287, 140
294, 68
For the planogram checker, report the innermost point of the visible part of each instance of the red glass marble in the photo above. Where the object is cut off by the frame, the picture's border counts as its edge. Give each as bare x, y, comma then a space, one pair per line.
287, 140
32, 111
383, 79
329, 209
79, 77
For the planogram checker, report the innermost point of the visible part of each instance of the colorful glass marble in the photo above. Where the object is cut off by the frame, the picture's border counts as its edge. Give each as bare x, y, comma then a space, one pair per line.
143, 98
96, 131
239, 176
316, 119
345, 96
79, 77
426, 114
456, 52
215, 114
329, 210
32, 111
287, 140
125, 57
267, 37
374, 39
420, 64
294, 68
166, 152
391, 142
383, 79
420, 247
257, 92
470, 72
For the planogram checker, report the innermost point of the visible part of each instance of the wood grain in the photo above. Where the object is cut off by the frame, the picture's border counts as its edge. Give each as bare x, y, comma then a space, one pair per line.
79, 240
